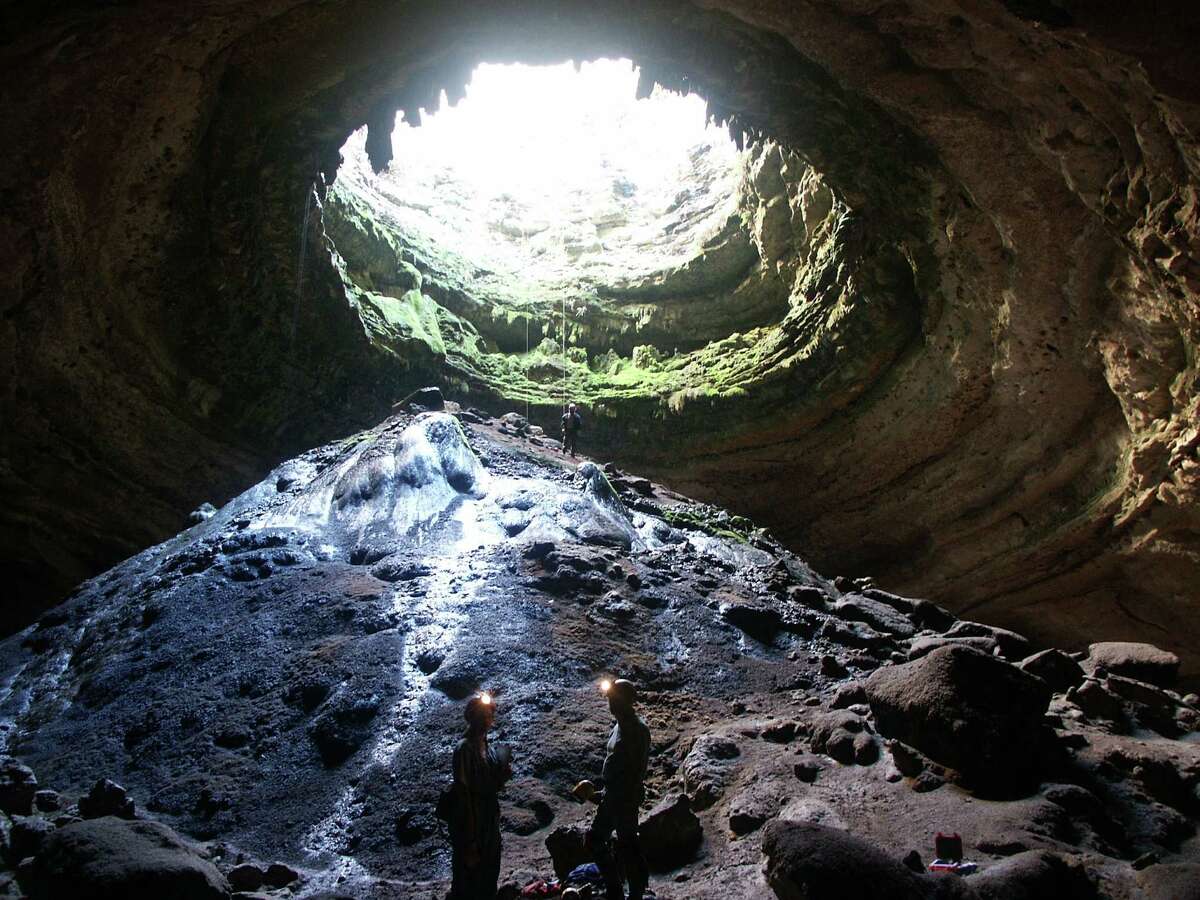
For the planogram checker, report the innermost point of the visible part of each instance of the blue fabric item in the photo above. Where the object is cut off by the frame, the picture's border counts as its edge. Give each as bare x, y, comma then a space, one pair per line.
588, 873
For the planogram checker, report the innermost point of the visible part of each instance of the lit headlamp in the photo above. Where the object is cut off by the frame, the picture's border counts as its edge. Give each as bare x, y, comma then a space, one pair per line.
605, 686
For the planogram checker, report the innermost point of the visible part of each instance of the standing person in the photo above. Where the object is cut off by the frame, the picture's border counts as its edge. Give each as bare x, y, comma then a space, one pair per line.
572, 421
620, 796
479, 773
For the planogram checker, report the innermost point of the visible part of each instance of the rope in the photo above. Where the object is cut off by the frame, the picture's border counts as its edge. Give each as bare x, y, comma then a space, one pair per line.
564, 349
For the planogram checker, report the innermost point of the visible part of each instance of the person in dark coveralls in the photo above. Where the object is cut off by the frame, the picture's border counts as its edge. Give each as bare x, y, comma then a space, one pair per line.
479, 773
572, 422
620, 795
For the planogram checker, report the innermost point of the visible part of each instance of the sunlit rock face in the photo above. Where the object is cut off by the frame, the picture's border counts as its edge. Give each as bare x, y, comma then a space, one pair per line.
980, 384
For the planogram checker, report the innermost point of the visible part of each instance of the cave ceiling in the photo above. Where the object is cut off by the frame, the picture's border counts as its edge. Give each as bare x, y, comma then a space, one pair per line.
975, 377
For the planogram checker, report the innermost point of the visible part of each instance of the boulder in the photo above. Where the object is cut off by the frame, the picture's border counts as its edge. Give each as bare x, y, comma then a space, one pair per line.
670, 833
1144, 662
18, 784
967, 710
1172, 881
849, 694
1055, 668
922, 612
343, 724
279, 875
110, 858
1012, 646
755, 804
27, 837
47, 801
567, 846
759, 620
708, 767
1097, 703
923, 646
845, 737
806, 861
879, 615
246, 877
1033, 875
106, 798
426, 399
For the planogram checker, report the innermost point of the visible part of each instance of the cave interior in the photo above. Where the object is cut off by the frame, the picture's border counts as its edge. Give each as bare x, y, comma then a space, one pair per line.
860, 302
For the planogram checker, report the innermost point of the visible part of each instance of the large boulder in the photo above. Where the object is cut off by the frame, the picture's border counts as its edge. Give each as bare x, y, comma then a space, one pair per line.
806, 861
1145, 662
117, 859
967, 710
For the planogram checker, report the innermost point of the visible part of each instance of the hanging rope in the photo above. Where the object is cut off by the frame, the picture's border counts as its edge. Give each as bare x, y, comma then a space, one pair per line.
564, 350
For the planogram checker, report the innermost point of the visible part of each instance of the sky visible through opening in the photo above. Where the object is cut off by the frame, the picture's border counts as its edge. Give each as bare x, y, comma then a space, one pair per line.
544, 180
528, 130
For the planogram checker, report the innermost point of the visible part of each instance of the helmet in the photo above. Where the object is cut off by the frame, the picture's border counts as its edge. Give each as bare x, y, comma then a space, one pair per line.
623, 692
477, 707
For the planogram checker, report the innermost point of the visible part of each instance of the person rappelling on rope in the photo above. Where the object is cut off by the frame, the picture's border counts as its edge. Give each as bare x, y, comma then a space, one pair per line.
572, 421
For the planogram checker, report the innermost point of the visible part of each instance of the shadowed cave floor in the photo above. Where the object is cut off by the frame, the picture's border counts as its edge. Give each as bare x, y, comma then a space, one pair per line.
285, 680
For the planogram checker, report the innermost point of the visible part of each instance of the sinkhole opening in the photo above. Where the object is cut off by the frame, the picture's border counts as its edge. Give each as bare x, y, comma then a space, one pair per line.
577, 232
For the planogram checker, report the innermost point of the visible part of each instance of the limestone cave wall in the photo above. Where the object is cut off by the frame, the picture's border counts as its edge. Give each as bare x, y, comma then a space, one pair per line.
984, 390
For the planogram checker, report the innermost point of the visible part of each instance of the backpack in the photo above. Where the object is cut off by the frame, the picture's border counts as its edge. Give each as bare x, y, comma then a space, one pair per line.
447, 806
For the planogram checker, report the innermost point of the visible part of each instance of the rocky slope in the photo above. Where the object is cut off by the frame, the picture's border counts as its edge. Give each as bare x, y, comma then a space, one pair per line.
1020, 179
284, 682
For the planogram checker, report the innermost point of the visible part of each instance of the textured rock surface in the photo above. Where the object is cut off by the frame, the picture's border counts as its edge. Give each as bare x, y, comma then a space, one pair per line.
966, 710
991, 371
285, 680
113, 858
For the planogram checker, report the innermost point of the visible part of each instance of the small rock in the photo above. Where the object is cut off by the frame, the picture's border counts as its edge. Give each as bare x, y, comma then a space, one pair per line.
1097, 703
202, 513
831, 668
923, 646
429, 661
926, 782
779, 732
807, 769
908, 761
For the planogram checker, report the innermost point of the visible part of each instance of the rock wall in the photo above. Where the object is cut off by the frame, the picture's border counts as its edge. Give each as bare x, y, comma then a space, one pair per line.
1027, 450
